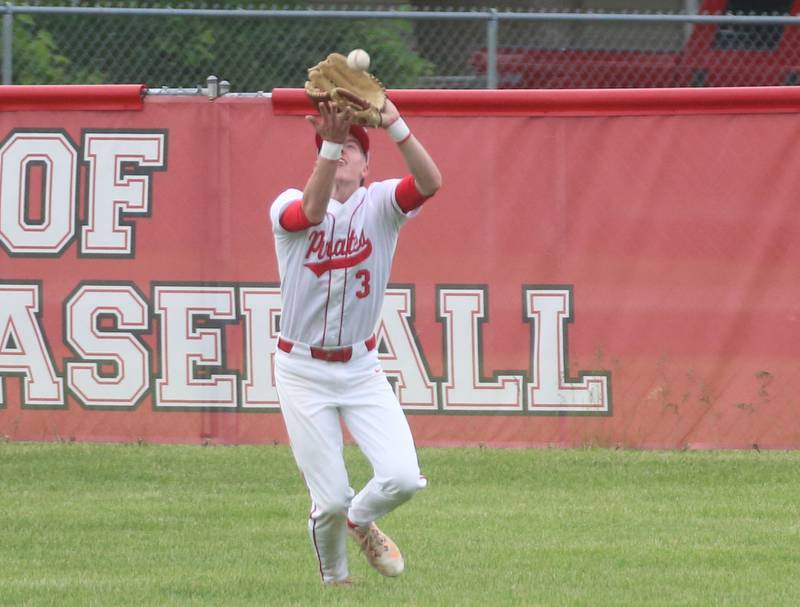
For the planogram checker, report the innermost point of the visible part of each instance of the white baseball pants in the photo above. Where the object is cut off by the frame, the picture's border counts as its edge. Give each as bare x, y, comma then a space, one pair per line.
314, 395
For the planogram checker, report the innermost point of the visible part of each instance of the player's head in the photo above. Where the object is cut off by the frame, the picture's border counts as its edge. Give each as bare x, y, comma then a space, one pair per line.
355, 154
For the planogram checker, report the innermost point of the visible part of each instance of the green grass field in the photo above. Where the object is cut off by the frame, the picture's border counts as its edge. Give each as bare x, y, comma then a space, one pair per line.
183, 525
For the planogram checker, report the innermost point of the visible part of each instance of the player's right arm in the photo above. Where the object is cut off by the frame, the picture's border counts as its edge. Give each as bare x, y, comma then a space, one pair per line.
331, 125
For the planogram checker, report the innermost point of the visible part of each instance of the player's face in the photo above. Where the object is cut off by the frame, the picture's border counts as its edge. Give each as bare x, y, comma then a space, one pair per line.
353, 163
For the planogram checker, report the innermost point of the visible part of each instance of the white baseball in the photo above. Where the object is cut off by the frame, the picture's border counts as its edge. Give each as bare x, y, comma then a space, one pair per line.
358, 59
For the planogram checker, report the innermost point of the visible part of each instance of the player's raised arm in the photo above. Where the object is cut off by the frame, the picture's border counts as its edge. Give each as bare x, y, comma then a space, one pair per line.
332, 125
427, 177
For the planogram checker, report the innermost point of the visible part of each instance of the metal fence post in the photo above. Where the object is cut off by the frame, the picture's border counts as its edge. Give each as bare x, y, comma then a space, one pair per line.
491, 50
8, 38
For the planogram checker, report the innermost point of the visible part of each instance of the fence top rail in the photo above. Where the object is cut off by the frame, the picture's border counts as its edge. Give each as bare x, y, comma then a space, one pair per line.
577, 102
478, 15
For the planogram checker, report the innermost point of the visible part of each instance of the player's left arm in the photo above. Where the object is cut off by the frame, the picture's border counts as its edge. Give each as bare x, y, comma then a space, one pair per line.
427, 177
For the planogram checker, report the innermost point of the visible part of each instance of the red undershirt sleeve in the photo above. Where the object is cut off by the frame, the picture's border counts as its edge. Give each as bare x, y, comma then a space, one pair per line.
293, 219
407, 196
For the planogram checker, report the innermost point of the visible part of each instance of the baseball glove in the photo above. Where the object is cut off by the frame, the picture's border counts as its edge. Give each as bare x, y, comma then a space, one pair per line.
333, 80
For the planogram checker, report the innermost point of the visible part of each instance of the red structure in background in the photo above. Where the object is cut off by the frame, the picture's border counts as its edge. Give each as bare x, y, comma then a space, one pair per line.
614, 268
715, 55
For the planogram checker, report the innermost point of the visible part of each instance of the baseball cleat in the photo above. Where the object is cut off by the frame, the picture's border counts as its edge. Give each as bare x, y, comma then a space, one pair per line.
381, 552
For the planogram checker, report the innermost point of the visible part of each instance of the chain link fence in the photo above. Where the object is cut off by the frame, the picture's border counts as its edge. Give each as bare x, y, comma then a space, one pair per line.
260, 49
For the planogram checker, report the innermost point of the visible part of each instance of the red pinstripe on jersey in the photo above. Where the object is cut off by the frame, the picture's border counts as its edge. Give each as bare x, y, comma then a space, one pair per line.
358, 258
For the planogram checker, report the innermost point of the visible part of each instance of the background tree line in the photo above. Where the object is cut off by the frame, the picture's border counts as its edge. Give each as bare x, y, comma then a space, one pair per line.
251, 53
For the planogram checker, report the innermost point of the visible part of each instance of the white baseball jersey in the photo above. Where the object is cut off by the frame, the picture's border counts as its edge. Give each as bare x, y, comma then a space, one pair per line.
333, 275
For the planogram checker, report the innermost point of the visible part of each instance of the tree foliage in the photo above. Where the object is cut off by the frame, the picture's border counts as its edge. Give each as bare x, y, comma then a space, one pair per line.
36, 56
179, 51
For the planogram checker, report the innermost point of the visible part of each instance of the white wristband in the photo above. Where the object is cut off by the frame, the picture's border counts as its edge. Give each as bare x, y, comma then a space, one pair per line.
330, 150
399, 130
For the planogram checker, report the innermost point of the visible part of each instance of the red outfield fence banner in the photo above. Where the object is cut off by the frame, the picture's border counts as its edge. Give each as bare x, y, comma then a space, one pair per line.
615, 268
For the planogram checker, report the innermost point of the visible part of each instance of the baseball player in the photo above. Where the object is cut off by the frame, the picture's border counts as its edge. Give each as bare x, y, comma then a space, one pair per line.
335, 240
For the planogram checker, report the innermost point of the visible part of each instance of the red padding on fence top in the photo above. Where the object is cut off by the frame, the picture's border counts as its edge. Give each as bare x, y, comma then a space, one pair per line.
57, 97
574, 102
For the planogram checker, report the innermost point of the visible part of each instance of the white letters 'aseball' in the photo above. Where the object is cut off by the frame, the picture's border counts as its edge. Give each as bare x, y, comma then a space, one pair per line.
110, 193
401, 358
132, 359
462, 310
184, 347
260, 306
23, 349
58, 157
550, 390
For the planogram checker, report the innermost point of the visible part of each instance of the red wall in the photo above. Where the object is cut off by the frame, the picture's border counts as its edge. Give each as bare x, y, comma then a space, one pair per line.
658, 226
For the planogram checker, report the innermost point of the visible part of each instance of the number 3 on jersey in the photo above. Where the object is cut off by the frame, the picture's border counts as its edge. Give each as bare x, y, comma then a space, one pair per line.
363, 276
